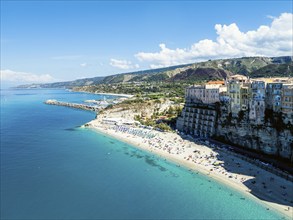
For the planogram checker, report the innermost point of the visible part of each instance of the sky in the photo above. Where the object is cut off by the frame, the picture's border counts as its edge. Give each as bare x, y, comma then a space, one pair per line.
48, 41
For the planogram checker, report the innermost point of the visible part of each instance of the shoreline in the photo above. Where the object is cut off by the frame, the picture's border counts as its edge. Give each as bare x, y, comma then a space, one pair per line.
114, 94
182, 159
104, 93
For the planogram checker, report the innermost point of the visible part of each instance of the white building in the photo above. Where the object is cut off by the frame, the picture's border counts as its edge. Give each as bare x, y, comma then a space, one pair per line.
209, 93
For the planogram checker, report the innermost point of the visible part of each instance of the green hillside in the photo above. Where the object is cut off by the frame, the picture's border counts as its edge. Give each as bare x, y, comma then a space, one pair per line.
202, 71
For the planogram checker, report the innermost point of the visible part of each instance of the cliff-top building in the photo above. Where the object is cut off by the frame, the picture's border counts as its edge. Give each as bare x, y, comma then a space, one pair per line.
202, 117
257, 101
209, 93
273, 96
238, 91
199, 115
287, 102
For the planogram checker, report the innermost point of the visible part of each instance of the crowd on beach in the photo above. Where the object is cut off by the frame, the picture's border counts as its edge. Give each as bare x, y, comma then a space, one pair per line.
198, 156
134, 131
152, 139
174, 145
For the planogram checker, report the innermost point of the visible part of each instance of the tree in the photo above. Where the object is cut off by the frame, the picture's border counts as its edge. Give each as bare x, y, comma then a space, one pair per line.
163, 126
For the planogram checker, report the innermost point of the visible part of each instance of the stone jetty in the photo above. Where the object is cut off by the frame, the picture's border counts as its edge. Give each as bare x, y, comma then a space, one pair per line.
73, 105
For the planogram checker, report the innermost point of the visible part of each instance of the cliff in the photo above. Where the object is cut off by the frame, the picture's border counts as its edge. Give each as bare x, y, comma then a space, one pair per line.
273, 137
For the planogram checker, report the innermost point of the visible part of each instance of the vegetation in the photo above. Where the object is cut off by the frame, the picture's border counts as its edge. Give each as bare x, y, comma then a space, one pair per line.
162, 126
145, 90
162, 120
273, 70
190, 73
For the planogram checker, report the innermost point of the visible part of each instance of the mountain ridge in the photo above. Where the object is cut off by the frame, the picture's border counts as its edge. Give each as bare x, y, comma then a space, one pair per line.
201, 71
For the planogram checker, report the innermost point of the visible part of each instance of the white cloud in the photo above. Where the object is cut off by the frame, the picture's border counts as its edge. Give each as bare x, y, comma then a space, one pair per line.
123, 64
83, 64
273, 40
22, 77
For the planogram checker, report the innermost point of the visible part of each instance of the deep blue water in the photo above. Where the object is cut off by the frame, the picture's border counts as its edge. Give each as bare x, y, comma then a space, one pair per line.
52, 169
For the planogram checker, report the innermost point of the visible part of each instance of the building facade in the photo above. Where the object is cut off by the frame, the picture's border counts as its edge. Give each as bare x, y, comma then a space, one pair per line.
207, 94
238, 91
198, 116
197, 119
257, 101
287, 102
273, 96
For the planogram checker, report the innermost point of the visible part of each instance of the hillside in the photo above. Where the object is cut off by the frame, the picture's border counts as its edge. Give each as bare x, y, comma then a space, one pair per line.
69, 84
274, 70
202, 71
200, 74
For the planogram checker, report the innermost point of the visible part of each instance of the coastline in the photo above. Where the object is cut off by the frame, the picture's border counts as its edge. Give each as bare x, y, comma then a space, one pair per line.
182, 158
114, 94
104, 93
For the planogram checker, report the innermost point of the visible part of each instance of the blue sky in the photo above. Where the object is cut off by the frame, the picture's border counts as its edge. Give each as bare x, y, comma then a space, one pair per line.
51, 40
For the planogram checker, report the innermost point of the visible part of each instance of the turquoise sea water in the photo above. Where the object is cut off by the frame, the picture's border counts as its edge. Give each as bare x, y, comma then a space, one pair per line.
52, 169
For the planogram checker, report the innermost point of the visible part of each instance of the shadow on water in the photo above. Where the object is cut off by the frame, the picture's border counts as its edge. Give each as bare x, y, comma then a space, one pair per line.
264, 187
26, 94
149, 159
72, 129
153, 163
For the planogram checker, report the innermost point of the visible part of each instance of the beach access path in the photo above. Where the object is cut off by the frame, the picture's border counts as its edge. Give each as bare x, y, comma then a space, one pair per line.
273, 191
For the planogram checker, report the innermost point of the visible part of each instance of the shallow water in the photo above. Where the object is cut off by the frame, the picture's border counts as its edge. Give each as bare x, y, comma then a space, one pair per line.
52, 169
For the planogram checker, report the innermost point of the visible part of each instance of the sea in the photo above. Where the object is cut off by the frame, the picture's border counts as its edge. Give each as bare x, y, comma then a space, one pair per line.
51, 168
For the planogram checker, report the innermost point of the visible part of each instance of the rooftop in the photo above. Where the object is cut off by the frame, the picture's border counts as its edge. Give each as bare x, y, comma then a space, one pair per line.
238, 76
221, 82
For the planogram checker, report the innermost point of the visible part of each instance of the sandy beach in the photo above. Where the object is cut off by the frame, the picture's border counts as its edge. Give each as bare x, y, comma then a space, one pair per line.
273, 191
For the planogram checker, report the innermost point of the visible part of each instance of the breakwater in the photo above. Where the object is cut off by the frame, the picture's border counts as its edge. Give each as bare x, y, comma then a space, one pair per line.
73, 105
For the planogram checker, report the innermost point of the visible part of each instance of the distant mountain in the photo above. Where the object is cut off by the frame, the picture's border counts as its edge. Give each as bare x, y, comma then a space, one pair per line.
244, 65
198, 74
69, 84
209, 70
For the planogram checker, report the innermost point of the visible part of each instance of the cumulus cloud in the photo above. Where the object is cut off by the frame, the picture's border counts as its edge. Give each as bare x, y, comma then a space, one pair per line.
272, 40
22, 77
123, 64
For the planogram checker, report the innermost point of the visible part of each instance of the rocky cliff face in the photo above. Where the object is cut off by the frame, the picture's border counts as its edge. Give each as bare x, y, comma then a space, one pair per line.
202, 74
267, 137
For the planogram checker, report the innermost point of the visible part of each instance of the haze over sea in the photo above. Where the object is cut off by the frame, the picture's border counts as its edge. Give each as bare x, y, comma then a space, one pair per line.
52, 169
